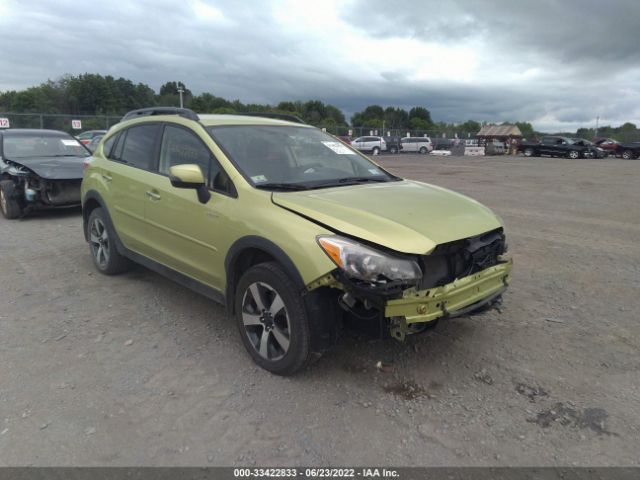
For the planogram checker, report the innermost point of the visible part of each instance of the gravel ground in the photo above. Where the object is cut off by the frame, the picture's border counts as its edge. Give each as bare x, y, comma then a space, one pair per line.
135, 370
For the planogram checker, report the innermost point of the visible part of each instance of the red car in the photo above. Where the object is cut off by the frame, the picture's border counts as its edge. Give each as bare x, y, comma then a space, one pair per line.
86, 137
628, 151
609, 145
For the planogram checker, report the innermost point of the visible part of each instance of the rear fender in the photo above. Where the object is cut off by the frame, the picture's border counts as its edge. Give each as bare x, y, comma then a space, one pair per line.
95, 196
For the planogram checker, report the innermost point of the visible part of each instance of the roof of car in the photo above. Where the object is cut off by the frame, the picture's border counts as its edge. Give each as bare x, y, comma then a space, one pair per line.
210, 120
32, 131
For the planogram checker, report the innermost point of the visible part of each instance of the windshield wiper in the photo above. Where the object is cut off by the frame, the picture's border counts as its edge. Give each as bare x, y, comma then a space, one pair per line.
281, 186
350, 181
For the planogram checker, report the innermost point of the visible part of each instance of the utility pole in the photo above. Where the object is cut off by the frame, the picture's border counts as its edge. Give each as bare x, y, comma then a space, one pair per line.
180, 92
597, 120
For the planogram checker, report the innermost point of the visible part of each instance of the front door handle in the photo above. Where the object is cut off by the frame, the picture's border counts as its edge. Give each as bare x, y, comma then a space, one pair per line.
153, 195
106, 178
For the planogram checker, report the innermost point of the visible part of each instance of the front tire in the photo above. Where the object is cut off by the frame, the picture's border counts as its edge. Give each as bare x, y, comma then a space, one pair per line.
102, 244
393, 150
574, 154
10, 207
529, 152
272, 319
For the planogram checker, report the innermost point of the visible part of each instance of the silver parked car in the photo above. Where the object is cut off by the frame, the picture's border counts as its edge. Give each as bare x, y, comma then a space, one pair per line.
371, 144
416, 144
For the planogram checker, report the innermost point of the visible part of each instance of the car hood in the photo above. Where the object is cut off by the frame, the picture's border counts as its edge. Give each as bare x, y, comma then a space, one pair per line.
405, 216
53, 168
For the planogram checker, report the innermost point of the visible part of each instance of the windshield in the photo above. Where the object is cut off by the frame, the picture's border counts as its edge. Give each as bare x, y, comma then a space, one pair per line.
40, 145
294, 158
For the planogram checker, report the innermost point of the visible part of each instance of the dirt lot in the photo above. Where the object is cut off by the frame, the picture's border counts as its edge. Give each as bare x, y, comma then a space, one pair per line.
135, 370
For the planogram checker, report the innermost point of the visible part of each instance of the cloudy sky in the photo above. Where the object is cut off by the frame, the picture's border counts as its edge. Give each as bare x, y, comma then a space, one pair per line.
558, 64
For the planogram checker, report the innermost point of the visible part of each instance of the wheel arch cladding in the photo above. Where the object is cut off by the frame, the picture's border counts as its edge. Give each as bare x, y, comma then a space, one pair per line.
322, 310
93, 200
251, 250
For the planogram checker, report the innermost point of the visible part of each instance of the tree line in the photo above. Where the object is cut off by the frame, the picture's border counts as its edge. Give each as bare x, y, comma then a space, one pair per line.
625, 132
95, 94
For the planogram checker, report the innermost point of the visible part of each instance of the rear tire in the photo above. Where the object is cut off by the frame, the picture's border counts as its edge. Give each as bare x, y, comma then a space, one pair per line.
393, 150
272, 319
102, 245
574, 154
628, 155
423, 150
375, 151
10, 207
529, 152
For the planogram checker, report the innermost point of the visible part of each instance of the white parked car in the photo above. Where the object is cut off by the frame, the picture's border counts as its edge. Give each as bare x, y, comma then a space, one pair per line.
371, 144
416, 145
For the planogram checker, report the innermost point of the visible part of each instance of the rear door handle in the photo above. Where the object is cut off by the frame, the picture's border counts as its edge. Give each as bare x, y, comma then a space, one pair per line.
106, 178
153, 195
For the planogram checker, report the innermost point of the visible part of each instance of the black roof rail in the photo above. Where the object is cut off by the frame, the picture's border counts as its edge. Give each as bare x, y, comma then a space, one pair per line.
143, 112
276, 116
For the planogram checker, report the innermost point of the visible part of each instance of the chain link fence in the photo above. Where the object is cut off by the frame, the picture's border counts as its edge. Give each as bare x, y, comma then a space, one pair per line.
65, 123
399, 132
62, 122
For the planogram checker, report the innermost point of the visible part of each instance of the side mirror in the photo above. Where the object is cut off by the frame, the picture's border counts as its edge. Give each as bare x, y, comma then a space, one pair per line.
190, 176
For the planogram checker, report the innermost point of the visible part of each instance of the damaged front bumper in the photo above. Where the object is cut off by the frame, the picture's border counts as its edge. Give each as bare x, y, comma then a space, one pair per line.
454, 299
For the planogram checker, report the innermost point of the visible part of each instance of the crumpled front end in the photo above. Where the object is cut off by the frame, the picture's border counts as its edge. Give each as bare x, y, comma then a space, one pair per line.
457, 298
32, 191
457, 278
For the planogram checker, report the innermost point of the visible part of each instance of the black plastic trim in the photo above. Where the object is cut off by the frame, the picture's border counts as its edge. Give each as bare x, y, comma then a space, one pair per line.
267, 246
177, 277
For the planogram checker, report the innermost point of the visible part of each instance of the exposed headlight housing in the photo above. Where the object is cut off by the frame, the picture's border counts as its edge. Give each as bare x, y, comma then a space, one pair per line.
365, 263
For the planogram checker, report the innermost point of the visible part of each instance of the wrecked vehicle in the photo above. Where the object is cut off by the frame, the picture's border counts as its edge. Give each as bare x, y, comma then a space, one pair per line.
39, 169
291, 229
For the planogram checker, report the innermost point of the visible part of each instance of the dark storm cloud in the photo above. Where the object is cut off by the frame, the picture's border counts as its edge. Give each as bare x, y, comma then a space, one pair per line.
575, 32
576, 59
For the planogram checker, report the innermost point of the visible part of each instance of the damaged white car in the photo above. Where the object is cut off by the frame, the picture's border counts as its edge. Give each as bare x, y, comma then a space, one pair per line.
39, 169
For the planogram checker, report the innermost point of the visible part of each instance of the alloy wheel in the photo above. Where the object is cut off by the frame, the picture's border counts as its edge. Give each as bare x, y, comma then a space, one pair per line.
266, 321
100, 244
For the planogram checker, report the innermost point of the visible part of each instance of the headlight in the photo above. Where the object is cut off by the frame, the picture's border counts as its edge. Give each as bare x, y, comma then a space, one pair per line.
364, 263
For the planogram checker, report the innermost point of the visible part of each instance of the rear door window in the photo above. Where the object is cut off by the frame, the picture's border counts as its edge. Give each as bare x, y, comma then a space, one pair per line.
139, 146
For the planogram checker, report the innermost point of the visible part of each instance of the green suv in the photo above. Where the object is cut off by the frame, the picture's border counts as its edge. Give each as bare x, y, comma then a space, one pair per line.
291, 229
